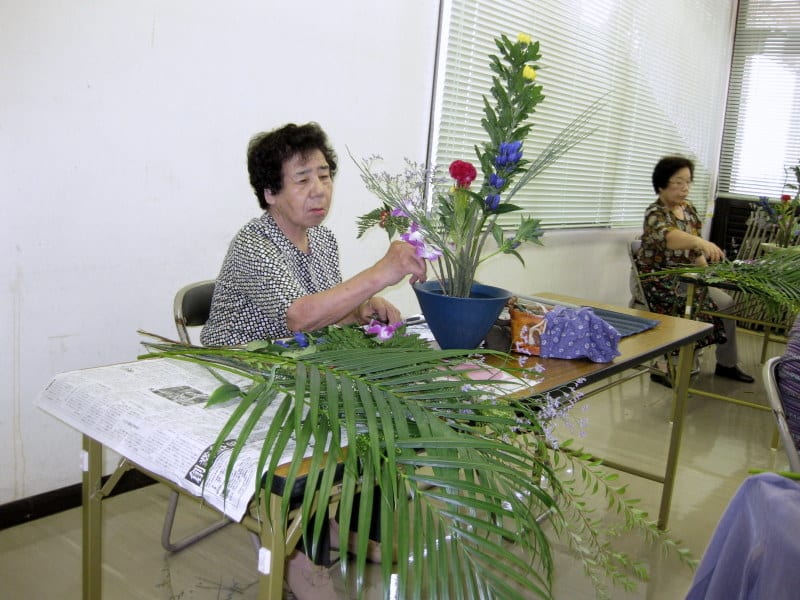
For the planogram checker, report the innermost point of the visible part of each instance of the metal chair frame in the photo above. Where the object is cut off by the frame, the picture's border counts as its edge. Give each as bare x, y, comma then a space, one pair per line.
639, 301
190, 308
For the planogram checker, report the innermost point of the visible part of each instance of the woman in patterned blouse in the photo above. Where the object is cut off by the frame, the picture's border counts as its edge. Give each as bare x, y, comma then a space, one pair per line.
281, 274
672, 238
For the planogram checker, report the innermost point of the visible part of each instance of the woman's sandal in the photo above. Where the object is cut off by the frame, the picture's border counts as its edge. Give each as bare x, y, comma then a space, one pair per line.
309, 581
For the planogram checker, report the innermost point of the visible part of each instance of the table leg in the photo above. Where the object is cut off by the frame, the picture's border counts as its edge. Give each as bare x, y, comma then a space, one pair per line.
680, 393
92, 517
272, 553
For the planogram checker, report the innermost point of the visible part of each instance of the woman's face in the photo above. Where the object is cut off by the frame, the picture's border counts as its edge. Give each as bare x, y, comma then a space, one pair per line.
677, 190
305, 198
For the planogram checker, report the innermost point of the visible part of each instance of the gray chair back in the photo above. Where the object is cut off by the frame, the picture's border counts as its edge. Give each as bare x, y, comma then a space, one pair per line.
191, 307
638, 299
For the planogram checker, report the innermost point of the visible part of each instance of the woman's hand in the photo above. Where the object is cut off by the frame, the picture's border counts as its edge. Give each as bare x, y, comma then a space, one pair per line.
400, 260
710, 251
379, 309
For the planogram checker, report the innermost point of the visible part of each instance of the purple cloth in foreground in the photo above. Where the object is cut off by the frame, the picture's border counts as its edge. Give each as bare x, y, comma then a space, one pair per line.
754, 553
578, 333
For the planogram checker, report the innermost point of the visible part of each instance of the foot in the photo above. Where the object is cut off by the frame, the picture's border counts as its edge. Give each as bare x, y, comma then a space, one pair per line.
734, 373
374, 554
309, 581
661, 379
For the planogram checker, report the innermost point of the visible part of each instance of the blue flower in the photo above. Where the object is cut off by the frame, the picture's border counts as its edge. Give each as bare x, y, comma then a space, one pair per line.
492, 201
496, 181
508, 155
301, 339
766, 205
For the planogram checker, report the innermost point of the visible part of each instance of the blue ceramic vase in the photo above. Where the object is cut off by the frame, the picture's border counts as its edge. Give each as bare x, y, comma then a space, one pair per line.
460, 322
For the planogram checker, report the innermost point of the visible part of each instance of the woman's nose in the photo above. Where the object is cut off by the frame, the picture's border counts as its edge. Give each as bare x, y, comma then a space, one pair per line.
317, 186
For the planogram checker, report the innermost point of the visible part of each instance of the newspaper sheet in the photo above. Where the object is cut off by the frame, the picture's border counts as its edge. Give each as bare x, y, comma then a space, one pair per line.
154, 413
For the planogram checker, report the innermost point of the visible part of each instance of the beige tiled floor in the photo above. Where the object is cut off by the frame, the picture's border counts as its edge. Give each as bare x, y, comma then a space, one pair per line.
628, 423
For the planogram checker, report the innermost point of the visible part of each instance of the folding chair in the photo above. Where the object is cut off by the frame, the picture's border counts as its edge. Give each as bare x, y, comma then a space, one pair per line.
639, 301
775, 401
190, 308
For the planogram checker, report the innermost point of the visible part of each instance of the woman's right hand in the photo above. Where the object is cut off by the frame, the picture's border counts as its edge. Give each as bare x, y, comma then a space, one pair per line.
400, 260
711, 251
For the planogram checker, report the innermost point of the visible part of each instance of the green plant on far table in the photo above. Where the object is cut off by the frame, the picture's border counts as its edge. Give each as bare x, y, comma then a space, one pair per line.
774, 278
464, 471
782, 215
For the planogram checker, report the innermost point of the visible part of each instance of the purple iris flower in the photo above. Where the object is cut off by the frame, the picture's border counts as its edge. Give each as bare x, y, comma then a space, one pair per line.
405, 211
381, 330
414, 237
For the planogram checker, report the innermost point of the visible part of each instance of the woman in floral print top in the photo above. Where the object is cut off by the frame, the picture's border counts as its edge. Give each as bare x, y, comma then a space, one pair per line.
672, 238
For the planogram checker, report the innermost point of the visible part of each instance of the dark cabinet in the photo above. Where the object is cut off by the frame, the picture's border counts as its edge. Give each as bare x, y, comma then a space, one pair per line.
729, 222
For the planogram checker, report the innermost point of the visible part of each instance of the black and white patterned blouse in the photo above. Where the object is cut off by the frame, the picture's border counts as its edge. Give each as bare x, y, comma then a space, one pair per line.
262, 275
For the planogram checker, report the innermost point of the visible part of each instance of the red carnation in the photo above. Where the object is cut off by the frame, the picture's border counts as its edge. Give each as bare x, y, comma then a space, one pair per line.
786, 198
463, 172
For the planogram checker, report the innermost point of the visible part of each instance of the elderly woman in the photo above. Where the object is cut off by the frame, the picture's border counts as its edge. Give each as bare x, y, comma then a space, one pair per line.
672, 238
281, 275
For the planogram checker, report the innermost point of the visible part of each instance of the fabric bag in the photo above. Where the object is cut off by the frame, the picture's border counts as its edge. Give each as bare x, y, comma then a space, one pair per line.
528, 324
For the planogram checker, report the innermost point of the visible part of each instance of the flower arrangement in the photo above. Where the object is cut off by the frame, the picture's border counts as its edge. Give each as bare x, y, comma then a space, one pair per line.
783, 216
453, 232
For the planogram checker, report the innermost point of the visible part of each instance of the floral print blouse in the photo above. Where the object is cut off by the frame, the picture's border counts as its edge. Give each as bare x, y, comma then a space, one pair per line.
666, 294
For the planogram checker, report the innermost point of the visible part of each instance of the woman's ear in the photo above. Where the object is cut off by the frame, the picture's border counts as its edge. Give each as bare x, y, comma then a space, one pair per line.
269, 197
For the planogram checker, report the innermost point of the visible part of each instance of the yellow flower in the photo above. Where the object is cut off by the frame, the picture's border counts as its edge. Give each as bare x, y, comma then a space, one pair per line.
528, 72
524, 38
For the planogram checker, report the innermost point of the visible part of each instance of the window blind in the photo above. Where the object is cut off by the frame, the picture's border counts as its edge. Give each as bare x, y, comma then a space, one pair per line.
762, 120
662, 72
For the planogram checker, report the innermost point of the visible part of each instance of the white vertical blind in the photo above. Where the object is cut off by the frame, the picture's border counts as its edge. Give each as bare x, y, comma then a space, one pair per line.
762, 121
663, 71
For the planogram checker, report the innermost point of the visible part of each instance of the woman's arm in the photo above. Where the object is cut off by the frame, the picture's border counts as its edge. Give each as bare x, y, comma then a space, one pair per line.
680, 240
352, 300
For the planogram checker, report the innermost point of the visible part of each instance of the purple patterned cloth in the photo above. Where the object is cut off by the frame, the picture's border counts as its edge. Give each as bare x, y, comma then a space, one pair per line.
578, 333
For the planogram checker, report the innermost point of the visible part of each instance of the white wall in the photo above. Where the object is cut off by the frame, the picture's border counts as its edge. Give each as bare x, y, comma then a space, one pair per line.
123, 128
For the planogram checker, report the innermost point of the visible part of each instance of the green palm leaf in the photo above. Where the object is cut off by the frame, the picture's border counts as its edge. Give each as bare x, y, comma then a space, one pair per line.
461, 470
774, 278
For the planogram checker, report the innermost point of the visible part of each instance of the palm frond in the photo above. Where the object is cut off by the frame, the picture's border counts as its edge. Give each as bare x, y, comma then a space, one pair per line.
774, 278
461, 470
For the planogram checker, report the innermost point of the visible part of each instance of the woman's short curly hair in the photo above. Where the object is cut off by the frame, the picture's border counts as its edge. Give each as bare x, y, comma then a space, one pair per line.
268, 151
667, 167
